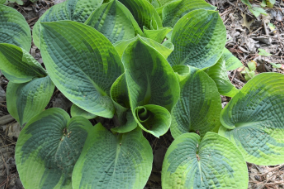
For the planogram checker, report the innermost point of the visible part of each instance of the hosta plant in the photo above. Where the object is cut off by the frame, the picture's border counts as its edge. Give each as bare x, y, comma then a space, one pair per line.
146, 68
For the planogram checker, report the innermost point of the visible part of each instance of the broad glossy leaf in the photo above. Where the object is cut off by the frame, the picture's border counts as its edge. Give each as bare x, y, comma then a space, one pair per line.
112, 20
75, 10
76, 111
150, 80
27, 100
254, 119
110, 161
199, 38
175, 10
144, 13
18, 65
48, 148
14, 29
157, 35
213, 162
231, 61
199, 106
218, 73
82, 63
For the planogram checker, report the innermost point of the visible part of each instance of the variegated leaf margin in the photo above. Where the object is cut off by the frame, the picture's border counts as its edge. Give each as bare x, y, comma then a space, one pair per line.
254, 119
213, 162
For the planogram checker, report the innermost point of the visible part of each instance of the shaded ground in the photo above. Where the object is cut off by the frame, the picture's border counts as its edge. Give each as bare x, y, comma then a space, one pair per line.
245, 33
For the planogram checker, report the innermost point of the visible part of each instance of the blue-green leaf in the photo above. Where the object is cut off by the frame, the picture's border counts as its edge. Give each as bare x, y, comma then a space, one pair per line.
199, 106
48, 148
75, 10
144, 13
218, 73
113, 20
150, 81
213, 162
24, 101
110, 161
175, 10
14, 29
199, 38
82, 63
18, 65
254, 119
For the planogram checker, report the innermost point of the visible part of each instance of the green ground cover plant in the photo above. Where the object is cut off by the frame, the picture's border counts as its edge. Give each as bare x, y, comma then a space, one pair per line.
149, 66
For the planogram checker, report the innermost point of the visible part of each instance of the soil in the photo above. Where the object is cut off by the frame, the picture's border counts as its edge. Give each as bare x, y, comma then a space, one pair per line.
245, 33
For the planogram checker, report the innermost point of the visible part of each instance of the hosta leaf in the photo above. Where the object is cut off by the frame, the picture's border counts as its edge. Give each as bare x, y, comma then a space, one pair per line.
82, 63
55, 13
213, 162
76, 111
126, 125
80, 10
199, 106
149, 77
231, 61
26, 100
144, 13
112, 20
199, 38
14, 29
119, 95
76, 10
113, 161
219, 74
157, 35
18, 65
153, 119
48, 148
162, 49
175, 10
254, 119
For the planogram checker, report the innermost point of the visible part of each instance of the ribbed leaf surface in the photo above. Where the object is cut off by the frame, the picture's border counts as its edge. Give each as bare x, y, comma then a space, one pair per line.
199, 106
213, 162
24, 101
75, 10
111, 161
113, 20
82, 63
48, 148
144, 13
254, 119
175, 10
218, 73
199, 38
150, 81
14, 29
